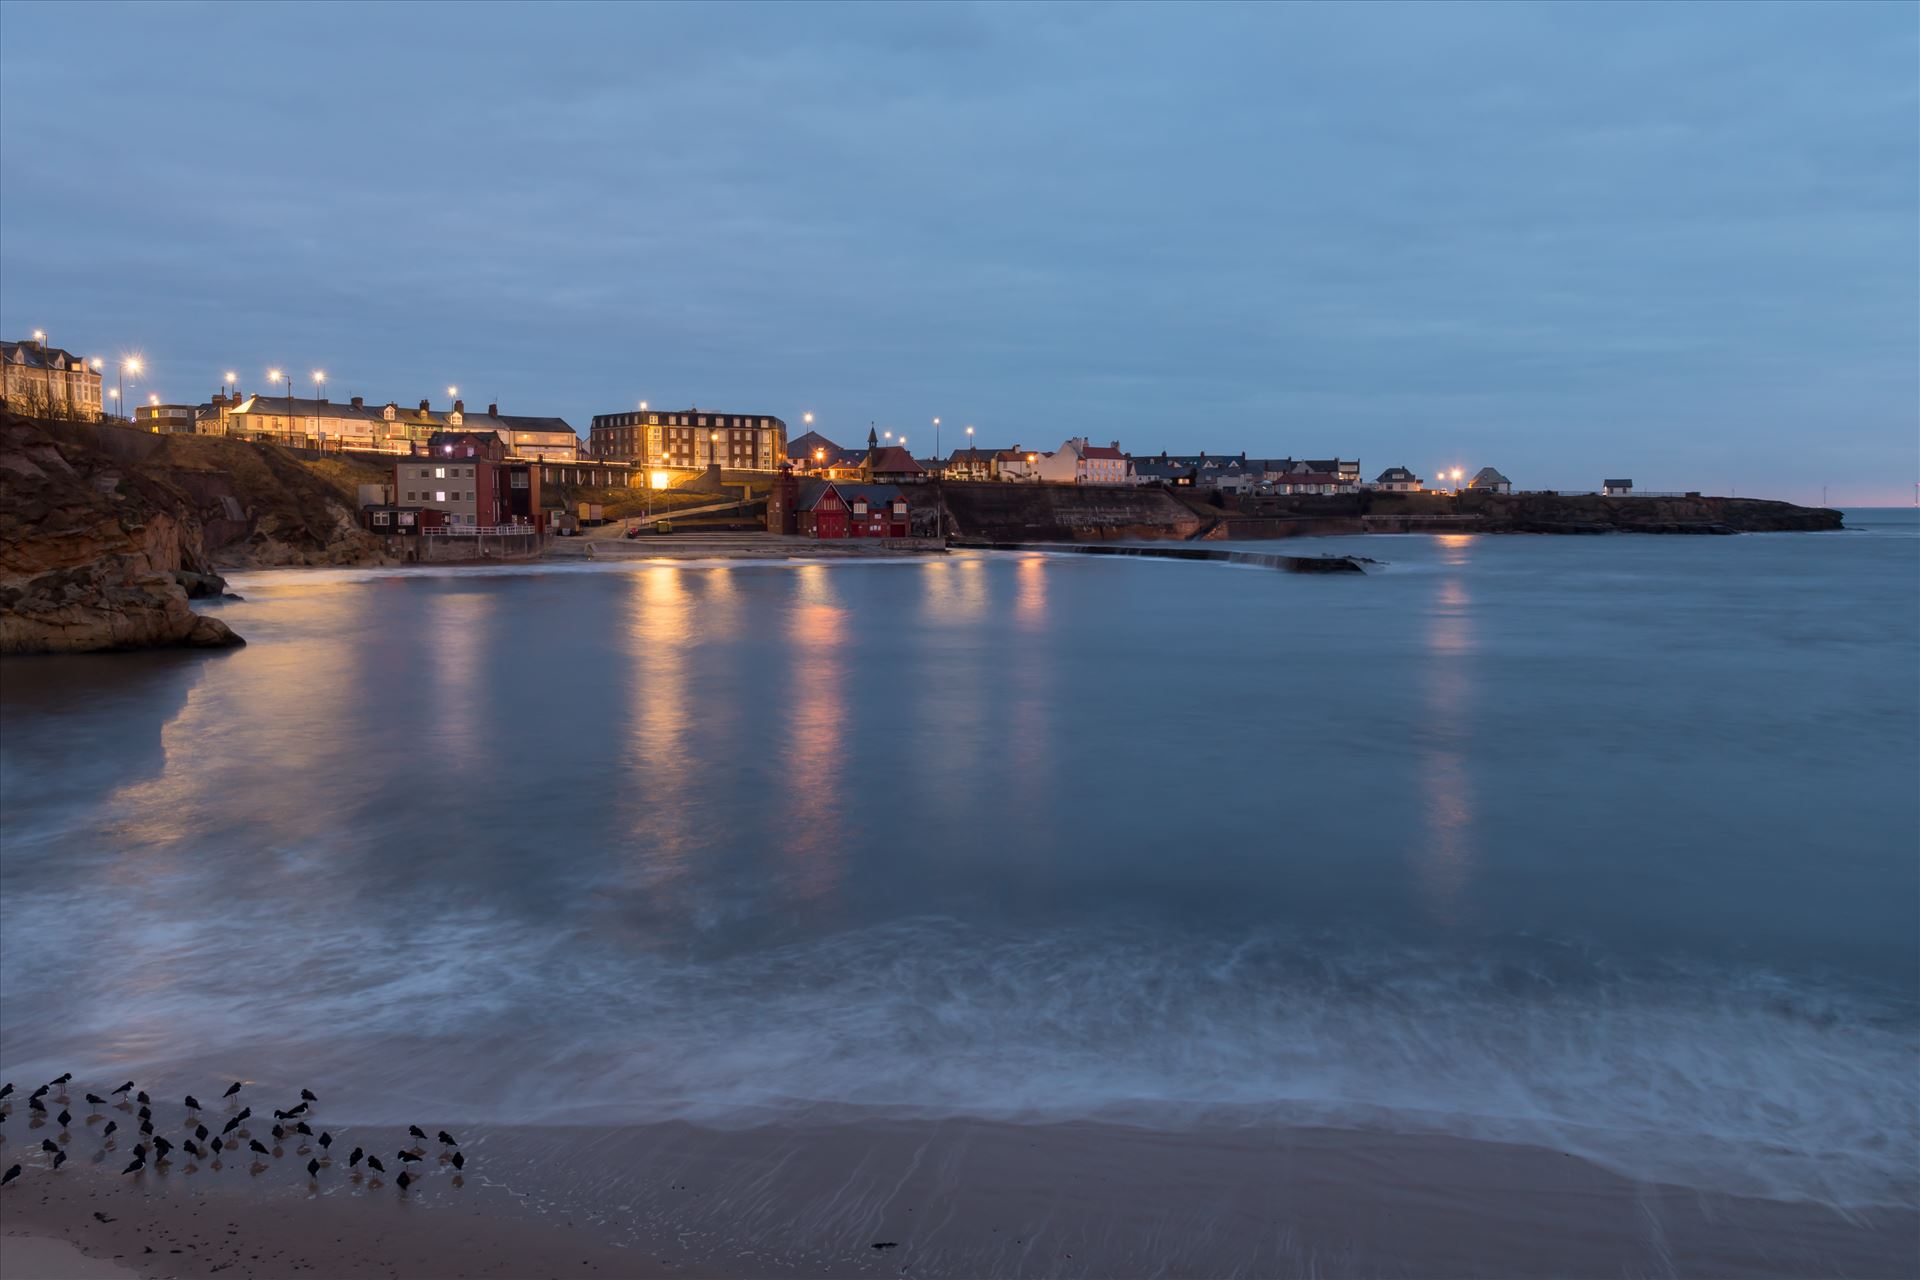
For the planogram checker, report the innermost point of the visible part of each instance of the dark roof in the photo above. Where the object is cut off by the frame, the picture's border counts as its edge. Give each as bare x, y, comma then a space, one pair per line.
519, 422
812, 490
1393, 475
1331, 464
893, 460
302, 407
36, 356
1616, 484
1487, 475
803, 445
1149, 467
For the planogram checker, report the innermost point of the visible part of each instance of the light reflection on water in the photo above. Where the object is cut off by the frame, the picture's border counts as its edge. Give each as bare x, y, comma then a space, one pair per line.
1053, 834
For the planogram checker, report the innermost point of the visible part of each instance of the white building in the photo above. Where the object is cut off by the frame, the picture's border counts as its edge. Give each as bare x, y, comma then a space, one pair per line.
1079, 462
1397, 480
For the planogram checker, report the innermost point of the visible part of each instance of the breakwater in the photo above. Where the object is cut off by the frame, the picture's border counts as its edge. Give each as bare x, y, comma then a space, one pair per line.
1263, 559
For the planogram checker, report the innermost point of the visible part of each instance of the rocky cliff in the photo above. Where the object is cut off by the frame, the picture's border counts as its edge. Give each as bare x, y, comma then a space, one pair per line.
107, 532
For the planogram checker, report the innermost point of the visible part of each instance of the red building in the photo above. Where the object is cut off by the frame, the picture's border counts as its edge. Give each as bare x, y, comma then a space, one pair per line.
838, 509
468, 477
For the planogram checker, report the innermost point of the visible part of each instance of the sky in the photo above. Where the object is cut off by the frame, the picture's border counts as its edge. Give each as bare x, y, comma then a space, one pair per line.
1676, 243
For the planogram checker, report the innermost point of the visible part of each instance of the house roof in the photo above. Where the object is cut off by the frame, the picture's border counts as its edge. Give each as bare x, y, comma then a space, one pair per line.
1395, 475
520, 422
1101, 451
802, 446
34, 355
1309, 477
302, 407
1331, 464
1487, 475
893, 460
1616, 484
811, 491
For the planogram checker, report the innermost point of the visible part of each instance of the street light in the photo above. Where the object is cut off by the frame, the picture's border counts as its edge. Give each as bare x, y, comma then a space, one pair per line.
936, 437
319, 382
115, 393
807, 418
452, 392
129, 365
40, 336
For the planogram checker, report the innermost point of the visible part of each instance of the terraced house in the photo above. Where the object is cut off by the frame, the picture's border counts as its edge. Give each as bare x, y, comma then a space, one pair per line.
48, 382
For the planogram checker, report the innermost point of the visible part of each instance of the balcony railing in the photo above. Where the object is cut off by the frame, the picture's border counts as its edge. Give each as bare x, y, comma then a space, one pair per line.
479, 530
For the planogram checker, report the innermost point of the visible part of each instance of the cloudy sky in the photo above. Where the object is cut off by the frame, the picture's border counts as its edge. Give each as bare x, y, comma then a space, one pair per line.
1676, 243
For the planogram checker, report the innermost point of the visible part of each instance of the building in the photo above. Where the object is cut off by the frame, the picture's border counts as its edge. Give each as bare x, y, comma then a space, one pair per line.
525, 437
47, 382
1617, 488
814, 454
889, 464
975, 463
841, 509
320, 423
1398, 480
468, 479
1490, 481
1017, 465
690, 439
1163, 470
168, 419
1077, 461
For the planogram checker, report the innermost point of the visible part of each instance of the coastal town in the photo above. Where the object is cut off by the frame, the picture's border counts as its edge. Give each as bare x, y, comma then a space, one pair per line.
441, 468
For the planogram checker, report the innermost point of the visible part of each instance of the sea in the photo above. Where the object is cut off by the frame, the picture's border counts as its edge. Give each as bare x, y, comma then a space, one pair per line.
1608, 844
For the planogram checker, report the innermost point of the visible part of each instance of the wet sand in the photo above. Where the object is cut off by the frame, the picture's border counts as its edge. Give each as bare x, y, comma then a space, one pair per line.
951, 1198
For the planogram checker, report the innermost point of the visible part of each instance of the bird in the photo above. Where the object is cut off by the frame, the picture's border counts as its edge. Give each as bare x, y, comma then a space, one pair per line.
49, 1146
123, 1088
297, 1111
193, 1103
354, 1159
306, 1095
146, 1113
10, 1174
59, 1158
232, 1124
193, 1150
135, 1167
215, 1144
65, 1117
326, 1140
111, 1126
459, 1161
256, 1145
146, 1126
244, 1113
34, 1104
417, 1132
141, 1097
95, 1100
313, 1168
200, 1132
41, 1092
161, 1146
278, 1133
446, 1139
402, 1180
232, 1089
6, 1090
373, 1163
63, 1077
303, 1127
406, 1157
140, 1151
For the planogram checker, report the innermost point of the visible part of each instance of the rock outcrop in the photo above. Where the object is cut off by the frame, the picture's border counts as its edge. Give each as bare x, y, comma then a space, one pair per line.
107, 532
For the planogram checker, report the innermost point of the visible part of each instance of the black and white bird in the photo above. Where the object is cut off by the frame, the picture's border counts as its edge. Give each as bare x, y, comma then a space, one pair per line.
160, 1148
41, 1092
11, 1173
459, 1161
233, 1122
232, 1089
402, 1180
141, 1097
49, 1146
259, 1146
95, 1100
447, 1140
215, 1145
354, 1159
34, 1104
326, 1140
278, 1133
65, 1117
193, 1150
193, 1103
137, 1165
59, 1158
303, 1127
6, 1090
111, 1126
373, 1163
306, 1095
63, 1077
313, 1168
123, 1088
406, 1157
417, 1132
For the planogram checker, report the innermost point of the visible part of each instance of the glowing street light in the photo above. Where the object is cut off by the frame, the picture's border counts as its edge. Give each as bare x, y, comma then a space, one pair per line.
40, 336
152, 399
98, 363
130, 364
319, 382
643, 404
807, 418
452, 392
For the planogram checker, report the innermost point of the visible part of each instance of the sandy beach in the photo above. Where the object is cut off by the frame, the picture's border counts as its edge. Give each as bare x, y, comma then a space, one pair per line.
952, 1198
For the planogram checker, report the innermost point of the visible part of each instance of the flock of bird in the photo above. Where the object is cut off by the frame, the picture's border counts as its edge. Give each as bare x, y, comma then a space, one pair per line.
154, 1150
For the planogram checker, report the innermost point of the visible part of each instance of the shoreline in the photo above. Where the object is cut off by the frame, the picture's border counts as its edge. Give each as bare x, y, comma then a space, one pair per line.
951, 1197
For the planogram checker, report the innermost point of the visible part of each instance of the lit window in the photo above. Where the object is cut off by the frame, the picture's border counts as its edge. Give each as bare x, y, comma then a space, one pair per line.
439, 473
439, 495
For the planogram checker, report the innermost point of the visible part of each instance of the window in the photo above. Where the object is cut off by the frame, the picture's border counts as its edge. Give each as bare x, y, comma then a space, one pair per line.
439, 495
439, 473
410, 497
519, 480
382, 517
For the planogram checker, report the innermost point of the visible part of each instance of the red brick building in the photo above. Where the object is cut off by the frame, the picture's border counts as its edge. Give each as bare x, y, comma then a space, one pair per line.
468, 478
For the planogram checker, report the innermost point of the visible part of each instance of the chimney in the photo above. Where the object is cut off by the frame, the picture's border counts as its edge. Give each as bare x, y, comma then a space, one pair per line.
493, 411
423, 407
459, 406
358, 403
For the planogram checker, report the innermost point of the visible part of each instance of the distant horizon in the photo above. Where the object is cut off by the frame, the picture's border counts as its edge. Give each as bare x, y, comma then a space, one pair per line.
1673, 243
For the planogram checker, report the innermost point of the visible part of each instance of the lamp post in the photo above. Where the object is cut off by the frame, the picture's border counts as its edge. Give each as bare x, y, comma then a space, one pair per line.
936, 437
115, 393
279, 375
130, 365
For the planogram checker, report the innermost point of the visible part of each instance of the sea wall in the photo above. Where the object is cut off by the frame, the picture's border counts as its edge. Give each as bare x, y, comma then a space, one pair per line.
1062, 513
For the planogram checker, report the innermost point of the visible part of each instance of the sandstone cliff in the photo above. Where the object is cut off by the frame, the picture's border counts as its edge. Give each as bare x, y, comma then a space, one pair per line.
106, 531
